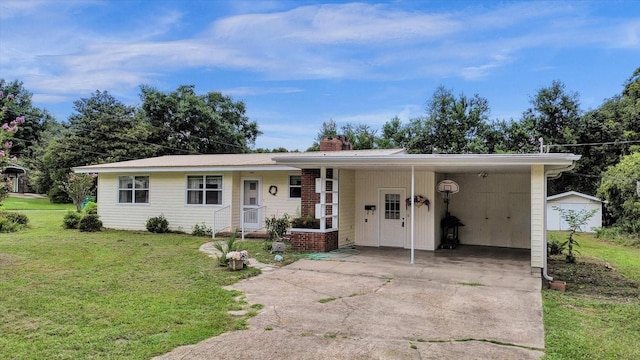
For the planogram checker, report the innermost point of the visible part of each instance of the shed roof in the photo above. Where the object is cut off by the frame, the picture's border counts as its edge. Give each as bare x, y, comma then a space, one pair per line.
573, 193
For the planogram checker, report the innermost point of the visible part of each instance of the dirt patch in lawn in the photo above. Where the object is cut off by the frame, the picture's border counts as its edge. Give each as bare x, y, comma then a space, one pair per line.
5, 261
593, 277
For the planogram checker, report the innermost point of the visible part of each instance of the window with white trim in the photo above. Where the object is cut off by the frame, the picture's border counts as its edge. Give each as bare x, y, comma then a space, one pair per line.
204, 189
295, 186
133, 189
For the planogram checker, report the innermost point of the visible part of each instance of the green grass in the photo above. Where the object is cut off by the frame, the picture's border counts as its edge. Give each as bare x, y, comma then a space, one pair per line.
114, 294
599, 315
625, 259
20, 203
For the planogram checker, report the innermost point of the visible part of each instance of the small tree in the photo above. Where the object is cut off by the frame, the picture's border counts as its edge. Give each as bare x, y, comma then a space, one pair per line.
6, 132
576, 220
78, 186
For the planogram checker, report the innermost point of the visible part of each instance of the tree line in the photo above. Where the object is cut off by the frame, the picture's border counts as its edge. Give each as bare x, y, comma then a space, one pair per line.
102, 129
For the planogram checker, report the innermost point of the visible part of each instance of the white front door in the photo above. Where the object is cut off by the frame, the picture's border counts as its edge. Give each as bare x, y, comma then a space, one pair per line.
392, 217
251, 212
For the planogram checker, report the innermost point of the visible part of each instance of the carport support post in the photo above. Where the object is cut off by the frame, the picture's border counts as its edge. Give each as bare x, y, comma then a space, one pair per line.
413, 197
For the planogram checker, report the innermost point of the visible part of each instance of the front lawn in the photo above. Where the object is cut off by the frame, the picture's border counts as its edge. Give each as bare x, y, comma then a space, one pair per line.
15, 202
599, 315
114, 294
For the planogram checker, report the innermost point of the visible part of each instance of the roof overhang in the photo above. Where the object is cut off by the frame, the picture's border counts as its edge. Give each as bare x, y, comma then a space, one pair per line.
173, 169
442, 163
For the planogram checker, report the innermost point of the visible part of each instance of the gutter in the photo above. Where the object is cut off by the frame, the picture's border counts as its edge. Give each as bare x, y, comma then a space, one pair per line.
550, 174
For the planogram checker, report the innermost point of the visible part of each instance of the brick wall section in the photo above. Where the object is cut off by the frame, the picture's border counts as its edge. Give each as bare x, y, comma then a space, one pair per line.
309, 198
314, 241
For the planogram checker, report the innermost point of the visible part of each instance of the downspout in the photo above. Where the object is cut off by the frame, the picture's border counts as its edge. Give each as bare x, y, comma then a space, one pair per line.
550, 175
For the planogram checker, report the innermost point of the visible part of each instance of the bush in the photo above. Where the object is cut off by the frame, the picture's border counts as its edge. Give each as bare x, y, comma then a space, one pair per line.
71, 220
90, 208
58, 196
277, 227
158, 225
307, 222
7, 226
90, 223
16, 217
555, 247
12, 221
201, 230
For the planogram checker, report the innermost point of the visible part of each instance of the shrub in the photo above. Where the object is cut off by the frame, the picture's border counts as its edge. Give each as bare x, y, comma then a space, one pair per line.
555, 247
201, 230
90, 208
16, 217
158, 225
90, 223
71, 220
12, 221
7, 226
307, 222
277, 227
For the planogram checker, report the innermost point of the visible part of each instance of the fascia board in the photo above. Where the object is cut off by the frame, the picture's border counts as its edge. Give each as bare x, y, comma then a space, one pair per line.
417, 160
174, 169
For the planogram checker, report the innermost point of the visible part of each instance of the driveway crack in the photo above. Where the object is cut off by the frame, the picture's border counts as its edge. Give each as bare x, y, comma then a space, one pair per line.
490, 341
275, 312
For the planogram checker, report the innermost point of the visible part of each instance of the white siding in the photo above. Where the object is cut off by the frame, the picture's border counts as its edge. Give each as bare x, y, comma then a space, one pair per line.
367, 185
538, 199
347, 209
167, 196
495, 209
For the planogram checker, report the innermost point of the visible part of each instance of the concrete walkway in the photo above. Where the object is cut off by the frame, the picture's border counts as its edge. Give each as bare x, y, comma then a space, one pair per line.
375, 305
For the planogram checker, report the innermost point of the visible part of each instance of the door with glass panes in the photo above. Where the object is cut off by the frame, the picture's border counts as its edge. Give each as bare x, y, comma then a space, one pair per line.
392, 217
251, 212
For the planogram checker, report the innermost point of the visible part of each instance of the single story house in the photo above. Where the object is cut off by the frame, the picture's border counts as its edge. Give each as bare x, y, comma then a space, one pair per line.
573, 200
364, 197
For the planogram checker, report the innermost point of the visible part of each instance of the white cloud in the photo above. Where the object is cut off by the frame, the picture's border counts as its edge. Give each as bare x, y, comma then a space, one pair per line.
252, 90
335, 41
50, 99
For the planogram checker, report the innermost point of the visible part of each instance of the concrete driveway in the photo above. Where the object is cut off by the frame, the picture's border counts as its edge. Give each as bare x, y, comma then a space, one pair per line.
460, 304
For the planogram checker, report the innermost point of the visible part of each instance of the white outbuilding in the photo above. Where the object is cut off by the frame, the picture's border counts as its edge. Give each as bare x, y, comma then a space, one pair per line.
573, 200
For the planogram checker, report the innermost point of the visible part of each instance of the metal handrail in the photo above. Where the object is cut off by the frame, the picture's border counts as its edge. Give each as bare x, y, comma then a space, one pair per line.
258, 217
214, 229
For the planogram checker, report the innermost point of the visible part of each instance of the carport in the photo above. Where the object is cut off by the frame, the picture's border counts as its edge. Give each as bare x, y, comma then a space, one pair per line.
501, 200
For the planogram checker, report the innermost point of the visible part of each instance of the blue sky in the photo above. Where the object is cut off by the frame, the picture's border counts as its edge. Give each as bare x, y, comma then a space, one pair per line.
297, 64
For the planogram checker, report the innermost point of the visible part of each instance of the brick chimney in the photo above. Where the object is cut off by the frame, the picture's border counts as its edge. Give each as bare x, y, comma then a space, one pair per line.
335, 143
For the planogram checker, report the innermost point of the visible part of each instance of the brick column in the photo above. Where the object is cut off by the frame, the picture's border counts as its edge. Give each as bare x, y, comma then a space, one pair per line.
308, 197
